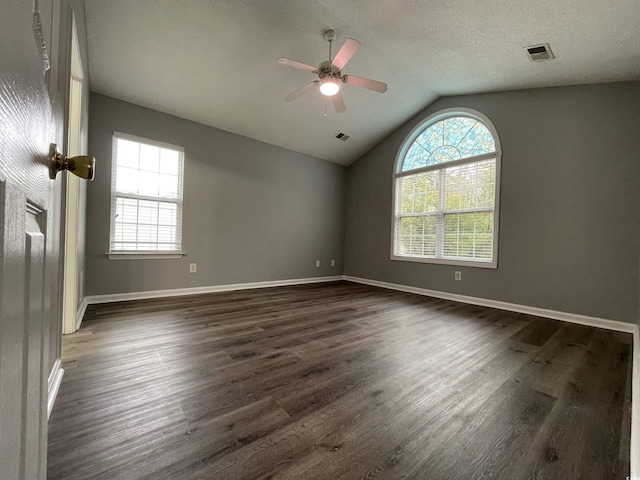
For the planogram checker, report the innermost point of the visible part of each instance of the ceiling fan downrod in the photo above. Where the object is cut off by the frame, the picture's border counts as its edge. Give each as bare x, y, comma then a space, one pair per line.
330, 36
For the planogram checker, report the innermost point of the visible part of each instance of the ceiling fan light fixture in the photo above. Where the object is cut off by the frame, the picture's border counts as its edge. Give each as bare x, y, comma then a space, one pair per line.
329, 87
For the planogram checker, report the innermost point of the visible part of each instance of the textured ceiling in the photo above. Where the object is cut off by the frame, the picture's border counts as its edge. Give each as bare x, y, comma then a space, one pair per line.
214, 62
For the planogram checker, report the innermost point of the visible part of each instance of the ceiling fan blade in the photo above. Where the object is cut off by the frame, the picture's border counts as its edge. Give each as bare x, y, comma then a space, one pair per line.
295, 64
338, 103
348, 50
365, 83
301, 90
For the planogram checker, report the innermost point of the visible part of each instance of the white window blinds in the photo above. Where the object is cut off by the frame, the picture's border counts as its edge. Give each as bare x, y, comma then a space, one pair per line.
447, 212
146, 195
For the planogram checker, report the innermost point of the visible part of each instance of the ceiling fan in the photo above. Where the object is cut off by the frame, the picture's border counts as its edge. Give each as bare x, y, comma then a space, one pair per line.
330, 77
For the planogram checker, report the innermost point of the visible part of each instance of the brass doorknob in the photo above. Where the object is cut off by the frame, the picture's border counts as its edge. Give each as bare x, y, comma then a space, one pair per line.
83, 166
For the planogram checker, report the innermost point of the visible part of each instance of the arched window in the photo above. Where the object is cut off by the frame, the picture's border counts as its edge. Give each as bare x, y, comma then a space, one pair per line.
446, 191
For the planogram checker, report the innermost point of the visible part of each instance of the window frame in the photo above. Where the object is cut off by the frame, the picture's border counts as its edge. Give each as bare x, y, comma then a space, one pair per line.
398, 173
144, 254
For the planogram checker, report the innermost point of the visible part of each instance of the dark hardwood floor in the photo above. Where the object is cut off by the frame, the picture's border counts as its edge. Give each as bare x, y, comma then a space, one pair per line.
338, 381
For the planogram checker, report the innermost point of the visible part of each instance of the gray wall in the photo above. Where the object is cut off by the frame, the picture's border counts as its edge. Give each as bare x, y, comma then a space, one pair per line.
252, 212
569, 208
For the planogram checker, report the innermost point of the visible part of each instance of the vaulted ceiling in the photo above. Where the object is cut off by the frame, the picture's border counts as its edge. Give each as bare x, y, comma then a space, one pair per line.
214, 61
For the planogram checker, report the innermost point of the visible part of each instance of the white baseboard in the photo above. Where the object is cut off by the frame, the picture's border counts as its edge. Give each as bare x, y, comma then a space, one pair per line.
80, 313
512, 307
55, 379
121, 297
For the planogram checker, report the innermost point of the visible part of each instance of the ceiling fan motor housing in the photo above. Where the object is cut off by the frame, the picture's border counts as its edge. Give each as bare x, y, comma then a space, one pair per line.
328, 70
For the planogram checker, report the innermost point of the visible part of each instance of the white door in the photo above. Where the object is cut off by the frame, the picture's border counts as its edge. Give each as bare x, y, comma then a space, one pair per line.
28, 273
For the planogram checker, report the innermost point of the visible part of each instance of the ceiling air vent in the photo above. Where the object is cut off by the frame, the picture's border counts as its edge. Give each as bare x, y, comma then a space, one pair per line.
342, 136
539, 53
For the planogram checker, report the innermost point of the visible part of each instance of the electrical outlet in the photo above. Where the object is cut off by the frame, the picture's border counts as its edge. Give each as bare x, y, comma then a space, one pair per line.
458, 275
333, 262
192, 268
317, 263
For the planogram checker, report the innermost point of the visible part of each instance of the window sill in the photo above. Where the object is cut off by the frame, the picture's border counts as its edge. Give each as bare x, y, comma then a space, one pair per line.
446, 261
144, 255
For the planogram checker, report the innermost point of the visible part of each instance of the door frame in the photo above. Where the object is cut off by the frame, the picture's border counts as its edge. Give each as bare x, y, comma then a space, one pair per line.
72, 280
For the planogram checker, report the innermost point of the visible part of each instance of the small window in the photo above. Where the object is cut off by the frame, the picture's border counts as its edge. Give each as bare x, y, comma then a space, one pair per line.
446, 185
146, 196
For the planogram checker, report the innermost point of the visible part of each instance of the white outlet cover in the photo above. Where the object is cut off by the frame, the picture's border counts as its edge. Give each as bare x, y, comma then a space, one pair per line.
192, 268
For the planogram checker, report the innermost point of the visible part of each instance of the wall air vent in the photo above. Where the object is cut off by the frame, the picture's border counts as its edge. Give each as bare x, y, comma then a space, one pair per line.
539, 53
342, 136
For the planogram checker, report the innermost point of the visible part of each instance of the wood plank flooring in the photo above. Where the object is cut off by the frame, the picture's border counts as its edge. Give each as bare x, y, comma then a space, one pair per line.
337, 381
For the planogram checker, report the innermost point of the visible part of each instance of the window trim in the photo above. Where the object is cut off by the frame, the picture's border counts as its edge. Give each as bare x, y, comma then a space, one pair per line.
398, 173
144, 254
